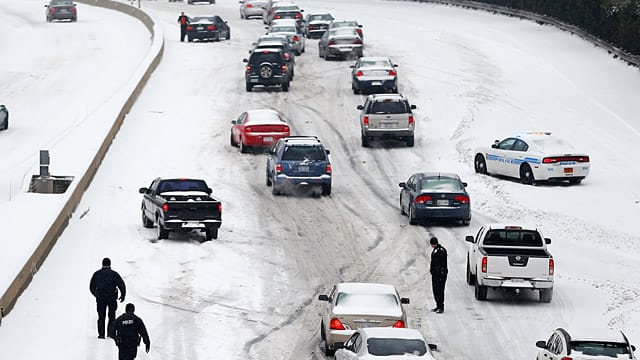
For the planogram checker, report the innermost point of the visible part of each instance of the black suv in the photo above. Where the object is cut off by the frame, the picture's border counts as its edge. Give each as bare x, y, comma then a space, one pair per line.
267, 67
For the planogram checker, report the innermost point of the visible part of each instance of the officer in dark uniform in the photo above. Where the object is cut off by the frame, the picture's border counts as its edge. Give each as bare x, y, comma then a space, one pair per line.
438, 273
104, 285
183, 20
128, 331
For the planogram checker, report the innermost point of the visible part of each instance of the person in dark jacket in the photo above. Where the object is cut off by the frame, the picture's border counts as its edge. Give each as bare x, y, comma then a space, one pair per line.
128, 331
438, 273
183, 20
104, 285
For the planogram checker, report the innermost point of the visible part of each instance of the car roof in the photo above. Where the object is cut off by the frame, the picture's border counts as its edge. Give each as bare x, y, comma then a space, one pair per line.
503, 226
392, 333
375, 58
284, 22
596, 334
438, 174
382, 97
263, 116
366, 288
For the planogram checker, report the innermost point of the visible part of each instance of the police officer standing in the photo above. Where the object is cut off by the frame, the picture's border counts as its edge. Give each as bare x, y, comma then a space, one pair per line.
128, 330
438, 273
183, 20
104, 285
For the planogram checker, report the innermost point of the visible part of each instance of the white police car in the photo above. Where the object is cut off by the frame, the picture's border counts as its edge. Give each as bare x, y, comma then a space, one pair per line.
531, 157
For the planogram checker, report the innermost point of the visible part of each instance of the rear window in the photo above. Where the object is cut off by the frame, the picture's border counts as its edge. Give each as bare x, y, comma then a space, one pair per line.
182, 185
390, 347
389, 107
303, 153
288, 8
320, 17
261, 56
345, 24
375, 63
440, 184
62, 2
504, 237
366, 300
600, 348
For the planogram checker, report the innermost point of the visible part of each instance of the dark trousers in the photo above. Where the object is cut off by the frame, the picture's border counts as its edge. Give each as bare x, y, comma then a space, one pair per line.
437, 284
102, 305
127, 352
183, 31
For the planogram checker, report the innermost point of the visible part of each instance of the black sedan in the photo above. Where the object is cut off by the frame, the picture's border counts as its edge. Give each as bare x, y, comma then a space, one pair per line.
4, 118
427, 196
207, 28
61, 10
374, 75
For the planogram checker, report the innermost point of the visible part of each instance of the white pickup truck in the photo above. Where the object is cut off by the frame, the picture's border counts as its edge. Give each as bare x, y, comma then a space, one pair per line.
510, 257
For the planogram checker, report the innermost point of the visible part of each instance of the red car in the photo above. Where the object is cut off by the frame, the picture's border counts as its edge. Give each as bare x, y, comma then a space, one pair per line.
258, 128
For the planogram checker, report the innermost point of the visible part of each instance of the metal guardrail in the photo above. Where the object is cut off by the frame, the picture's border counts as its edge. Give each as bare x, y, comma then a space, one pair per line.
30, 268
542, 19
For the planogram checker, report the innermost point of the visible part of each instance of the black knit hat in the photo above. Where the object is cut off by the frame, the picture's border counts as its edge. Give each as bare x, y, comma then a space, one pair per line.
433, 241
106, 262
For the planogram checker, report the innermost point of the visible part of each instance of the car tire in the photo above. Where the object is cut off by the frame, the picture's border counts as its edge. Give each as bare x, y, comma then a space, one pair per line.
231, 142
410, 141
402, 212
364, 140
249, 87
320, 54
323, 336
243, 148
480, 292
162, 232
275, 191
217, 37
189, 39
546, 295
328, 351
575, 181
465, 222
74, 19
412, 218
471, 279
394, 90
265, 71
355, 91
241, 15
211, 234
268, 181
146, 222
526, 174
480, 164
303, 49
285, 86
326, 190
229, 35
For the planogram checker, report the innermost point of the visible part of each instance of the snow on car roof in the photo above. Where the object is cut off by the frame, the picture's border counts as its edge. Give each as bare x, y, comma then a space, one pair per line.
392, 333
506, 225
596, 334
366, 288
263, 116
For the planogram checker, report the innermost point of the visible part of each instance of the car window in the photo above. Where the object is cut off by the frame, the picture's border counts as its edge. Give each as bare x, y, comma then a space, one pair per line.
374, 63
389, 107
345, 24
506, 237
600, 348
182, 185
351, 341
390, 347
357, 343
366, 300
441, 184
303, 153
278, 29
319, 17
506, 144
520, 146
265, 56
62, 2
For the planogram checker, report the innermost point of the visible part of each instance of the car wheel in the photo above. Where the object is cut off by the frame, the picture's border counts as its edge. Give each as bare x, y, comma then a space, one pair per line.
303, 49
249, 87
402, 212
355, 91
575, 181
323, 336
211, 234
394, 90
217, 37
275, 190
241, 15
480, 292
233, 143
229, 35
471, 279
327, 350
546, 295
480, 165
189, 39
243, 148
526, 174
364, 140
266, 71
145, 221
285, 86
74, 19
412, 218
410, 140
320, 54
269, 183
162, 232
326, 190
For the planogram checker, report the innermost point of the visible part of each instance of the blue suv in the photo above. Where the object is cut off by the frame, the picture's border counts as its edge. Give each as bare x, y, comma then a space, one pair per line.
299, 162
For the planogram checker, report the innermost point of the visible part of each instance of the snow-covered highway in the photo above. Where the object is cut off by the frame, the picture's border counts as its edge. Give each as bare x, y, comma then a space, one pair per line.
252, 293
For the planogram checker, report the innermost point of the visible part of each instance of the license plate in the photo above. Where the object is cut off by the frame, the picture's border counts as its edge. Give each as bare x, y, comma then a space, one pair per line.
267, 139
442, 202
389, 125
192, 224
568, 170
200, 27
304, 168
376, 83
366, 325
254, 80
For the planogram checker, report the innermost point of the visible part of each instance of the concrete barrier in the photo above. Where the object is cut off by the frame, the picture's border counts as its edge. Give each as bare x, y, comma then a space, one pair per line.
541, 19
134, 88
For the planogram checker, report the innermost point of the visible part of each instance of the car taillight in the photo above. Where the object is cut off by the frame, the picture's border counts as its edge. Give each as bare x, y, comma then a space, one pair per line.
484, 264
411, 120
365, 121
332, 42
284, 68
249, 6
52, 10
285, 129
359, 31
277, 17
287, 56
336, 324
328, 168
392, 73
566, 358
296, 38
248, 68
298, 16
211, 27
248, 129
73, 9
359, 73
165, 207
556, 159
220, 208
551, 267
398, 324
423, 199
463, 199
357, 41
311, 27
278, 168
189, 27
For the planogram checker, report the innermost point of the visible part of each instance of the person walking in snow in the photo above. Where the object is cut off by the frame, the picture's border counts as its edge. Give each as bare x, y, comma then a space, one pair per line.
439, 272
183, 20
128, 330
104, 286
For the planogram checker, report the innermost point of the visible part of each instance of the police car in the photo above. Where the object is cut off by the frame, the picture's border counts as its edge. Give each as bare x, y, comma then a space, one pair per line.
532, 157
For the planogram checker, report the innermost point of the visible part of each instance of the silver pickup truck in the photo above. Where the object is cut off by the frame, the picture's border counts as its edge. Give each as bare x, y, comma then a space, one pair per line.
510, 257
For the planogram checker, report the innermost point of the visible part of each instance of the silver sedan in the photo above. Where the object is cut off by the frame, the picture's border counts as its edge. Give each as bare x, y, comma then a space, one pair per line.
251, 8
342, 42
374, 75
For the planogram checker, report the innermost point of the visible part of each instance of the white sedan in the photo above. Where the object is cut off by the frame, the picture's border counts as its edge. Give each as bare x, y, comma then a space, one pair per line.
531, 157
385, 343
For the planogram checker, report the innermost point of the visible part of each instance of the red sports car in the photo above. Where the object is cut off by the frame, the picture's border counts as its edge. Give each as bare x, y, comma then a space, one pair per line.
258, 128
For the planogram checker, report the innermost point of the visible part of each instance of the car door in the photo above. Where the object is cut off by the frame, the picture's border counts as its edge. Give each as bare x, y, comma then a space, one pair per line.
499, 155
236, 129
518, 155
322, 44
406, 195
351, 347
551, 352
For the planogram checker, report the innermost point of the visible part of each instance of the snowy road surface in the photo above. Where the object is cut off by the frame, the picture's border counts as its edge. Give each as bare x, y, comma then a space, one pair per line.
252, 293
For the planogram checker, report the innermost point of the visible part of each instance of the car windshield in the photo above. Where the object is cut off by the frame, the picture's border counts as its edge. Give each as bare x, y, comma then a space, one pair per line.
600, 348
440, 184
62, 2
366, 300
287, 29
303, 153
182, 185
375, 63
506, 237
341, 24
319, 17
390, 347
389, 107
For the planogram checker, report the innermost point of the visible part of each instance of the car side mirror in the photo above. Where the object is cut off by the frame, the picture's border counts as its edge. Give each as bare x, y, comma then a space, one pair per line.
46, 6
143, 190
541, 344
413, 107
633, 348
266, 27
328, 151
359, 26
233, 122
301, 10
395, 65
469, 238
245, 60
209, 191
359, 107
433, 347
405, 301
352, 66
547, 241
403, 185
338, 345
464, 184
323, 298
494, 146
269, 152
